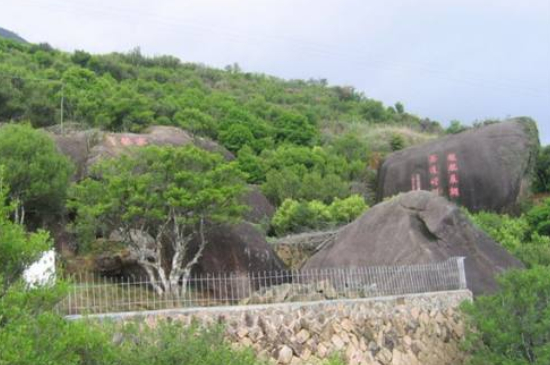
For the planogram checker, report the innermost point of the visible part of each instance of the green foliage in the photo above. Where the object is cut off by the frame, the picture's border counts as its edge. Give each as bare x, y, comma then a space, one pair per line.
38, 175
512, 326
346, 210
456, 127
197, 122
29, 332
17, 249
268, 116
539, 217
542, 171
517, 235
173, 343
397, 142
305, 173
251, 164
236, 136
510, 232
294, 216
399, 107
144, 189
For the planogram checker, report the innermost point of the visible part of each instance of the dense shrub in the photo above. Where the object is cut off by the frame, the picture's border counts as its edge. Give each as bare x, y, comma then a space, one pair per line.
510, 232
539, 218
38, 175
305, 173
397, 142
517, 235
295, 216
512, 326
173, 343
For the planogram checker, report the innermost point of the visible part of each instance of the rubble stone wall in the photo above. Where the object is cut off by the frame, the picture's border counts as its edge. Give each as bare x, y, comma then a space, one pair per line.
422, 329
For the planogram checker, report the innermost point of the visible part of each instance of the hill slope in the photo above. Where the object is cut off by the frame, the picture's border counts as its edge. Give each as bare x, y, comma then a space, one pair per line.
4, 33
299, 139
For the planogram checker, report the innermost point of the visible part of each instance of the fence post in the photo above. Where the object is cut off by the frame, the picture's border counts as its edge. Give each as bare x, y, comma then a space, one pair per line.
461, 272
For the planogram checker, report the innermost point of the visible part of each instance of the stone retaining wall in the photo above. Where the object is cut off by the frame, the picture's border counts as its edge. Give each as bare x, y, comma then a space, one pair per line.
423, 329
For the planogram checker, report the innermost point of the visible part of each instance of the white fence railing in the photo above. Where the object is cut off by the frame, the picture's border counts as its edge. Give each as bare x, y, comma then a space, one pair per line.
95, 295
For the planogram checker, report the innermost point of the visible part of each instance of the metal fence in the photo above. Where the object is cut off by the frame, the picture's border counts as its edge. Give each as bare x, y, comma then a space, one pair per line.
96, 295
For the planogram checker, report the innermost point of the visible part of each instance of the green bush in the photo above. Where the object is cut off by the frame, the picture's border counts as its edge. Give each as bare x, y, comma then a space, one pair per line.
539, 218
174, 343
512, 326
456, 127
346, 210
397, 142
516, 235
30, 333
37, 174
510, 232
305, 173
294, 216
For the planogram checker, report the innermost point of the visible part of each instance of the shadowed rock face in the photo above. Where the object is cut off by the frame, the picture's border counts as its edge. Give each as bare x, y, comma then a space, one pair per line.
240, 248
417, 228
237, 248
243, 247
489, 168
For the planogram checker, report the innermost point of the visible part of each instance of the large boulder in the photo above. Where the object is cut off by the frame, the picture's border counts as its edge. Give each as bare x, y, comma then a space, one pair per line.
488, 168
87, 147
240, 248
417, 228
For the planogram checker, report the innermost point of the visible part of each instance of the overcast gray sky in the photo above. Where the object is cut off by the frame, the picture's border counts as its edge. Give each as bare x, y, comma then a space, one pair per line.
444, 59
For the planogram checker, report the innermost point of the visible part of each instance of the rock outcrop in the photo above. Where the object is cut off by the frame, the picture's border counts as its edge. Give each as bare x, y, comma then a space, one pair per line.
87, 147
488, 168
237, 248
416, 228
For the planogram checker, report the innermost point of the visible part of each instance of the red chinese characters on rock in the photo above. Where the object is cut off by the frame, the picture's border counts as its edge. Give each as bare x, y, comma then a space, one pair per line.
434, 173
130, 141
452, 172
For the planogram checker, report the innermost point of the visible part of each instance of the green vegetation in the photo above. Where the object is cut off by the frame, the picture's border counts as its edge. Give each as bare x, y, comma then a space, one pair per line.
318, 137
519, 235
456, 127
157, 197
294, 216
313, 148
512, 326
29, 332
36, 172
542, 171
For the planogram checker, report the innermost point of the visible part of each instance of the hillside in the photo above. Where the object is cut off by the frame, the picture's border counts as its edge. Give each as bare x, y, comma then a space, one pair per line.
4, 33
323, 139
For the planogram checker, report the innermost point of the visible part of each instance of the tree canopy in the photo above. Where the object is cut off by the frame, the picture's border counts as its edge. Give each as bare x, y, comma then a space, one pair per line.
38, 175
160, 198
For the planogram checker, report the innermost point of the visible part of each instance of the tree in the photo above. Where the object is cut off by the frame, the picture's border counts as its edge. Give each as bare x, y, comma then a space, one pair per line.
236, 136
399, 107
512, 326
168, 194
29, 331
38, 175
456, 127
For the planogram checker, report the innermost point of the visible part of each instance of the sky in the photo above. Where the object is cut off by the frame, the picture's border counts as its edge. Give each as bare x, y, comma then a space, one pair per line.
463, 60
